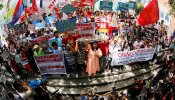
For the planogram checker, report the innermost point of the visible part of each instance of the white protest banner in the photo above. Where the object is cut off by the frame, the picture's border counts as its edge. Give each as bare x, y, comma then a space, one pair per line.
85, 28
126, 57
51, 64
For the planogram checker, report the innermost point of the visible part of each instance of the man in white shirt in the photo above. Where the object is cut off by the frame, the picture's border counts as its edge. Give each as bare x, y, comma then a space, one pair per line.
137, 44
114, 46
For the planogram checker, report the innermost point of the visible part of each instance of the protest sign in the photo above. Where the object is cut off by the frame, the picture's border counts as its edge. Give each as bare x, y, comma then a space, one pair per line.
82, 3
5, 54
66, 25
106, 5
102, 22
126, 57
40, 25
51, 64
85, 28
68, 9
122, 6
42, 38
50, 19
132, 5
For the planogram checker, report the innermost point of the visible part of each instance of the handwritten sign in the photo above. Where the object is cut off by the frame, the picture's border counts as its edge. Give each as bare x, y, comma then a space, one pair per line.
106, 5
51, 64
66, 25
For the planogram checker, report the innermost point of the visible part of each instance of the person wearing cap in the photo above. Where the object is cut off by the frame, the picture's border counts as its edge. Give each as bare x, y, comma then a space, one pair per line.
38, 51
94, 53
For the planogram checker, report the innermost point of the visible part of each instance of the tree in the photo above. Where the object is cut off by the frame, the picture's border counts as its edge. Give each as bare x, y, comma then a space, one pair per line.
1, 6
139, 8
172, 4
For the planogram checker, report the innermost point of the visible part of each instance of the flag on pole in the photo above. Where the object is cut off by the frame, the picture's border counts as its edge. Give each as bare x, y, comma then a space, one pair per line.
41, 3
150, 14
17, 12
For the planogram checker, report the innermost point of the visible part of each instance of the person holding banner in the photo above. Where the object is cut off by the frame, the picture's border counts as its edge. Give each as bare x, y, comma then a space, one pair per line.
38, 51
93, 64
55, 49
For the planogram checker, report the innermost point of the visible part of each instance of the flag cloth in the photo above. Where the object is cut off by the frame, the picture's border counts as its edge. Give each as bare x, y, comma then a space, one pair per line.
17, 12
41, 3
150, 14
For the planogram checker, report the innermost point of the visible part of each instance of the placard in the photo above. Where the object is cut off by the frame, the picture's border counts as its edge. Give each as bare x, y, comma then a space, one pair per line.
127, 57
82, 3
51, 64
122, 6
68, 9
5, 54
85, 28
106, 5
66, 25
103, 22
132, 5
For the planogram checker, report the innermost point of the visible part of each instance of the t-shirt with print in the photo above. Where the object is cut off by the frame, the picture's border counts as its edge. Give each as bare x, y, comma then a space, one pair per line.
70, 57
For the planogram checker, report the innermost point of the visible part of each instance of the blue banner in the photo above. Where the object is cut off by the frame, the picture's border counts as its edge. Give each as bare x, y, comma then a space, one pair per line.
68, 9
122, 6
132, 5
106, 5
66, 25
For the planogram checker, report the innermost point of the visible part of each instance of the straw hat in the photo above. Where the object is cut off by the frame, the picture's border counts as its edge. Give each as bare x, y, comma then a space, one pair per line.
35, 46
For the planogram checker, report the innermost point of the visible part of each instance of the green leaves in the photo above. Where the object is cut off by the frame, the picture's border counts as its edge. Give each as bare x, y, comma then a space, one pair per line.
1, 6
172, 4
139, 8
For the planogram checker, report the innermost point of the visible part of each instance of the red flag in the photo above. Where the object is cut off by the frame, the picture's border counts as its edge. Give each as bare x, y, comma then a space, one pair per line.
150, 14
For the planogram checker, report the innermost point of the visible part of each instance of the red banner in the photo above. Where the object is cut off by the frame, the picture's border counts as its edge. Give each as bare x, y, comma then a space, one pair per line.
82, 3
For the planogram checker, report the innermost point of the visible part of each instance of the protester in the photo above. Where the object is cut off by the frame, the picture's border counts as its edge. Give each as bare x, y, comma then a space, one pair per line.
24, 90
70, 59
81, 55
38, 51
104, 47
55, 49
77, 57
94, 53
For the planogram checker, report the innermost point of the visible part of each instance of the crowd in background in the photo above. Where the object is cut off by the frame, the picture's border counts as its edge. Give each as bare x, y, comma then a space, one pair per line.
91, 57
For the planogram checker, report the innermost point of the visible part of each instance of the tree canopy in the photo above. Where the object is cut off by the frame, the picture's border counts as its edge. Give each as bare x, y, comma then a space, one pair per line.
172, 4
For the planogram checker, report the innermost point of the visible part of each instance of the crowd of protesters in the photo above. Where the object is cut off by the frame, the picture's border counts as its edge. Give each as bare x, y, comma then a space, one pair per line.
91, 57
